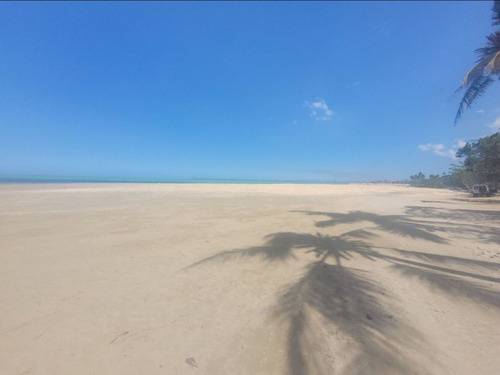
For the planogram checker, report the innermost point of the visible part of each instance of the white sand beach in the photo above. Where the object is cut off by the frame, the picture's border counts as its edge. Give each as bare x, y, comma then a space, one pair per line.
248, 279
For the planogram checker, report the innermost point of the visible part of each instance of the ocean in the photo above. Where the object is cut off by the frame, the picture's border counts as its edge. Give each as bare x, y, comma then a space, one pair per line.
80, 179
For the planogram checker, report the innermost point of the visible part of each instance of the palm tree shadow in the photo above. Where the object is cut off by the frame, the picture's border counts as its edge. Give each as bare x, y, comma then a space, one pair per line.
348, 300
280, 247
351, 301
343, 297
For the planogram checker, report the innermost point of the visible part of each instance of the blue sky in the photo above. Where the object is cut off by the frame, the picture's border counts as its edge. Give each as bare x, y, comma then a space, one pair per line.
260, 90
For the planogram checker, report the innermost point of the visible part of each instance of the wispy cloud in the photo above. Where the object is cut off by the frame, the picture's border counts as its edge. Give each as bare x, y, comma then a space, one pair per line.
382, 28
319, 109
480, 111
495, 125
353, 84
439, 149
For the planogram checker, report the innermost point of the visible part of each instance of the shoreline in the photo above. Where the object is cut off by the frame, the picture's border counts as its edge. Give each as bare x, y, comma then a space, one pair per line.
76, 179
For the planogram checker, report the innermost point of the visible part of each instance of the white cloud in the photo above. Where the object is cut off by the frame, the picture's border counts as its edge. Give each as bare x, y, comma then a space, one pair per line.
382, 28
353, 85
319, 110
430, 146
496, 124
439, 149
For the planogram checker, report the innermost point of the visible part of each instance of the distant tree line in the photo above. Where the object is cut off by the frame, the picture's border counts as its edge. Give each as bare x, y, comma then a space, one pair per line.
480, 166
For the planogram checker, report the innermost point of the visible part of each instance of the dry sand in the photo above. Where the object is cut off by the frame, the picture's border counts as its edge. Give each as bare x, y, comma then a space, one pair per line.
248, 279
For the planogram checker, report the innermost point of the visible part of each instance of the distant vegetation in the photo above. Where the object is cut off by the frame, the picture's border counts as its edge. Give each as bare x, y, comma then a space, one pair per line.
480, 166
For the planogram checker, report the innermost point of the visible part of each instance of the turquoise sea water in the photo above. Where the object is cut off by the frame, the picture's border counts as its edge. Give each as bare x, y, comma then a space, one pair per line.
78, 179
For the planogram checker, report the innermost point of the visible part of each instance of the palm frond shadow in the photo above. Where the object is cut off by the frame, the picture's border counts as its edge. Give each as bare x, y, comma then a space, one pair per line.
481, 224
452, 285
411, 259
476, 200
420, 223
281, 247
401, 225
350, 300
453, 214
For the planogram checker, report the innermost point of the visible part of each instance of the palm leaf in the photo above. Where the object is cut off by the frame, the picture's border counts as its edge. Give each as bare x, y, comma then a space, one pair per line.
488, 62
493, 66
473, 74
476, 88
496, 13
492, 45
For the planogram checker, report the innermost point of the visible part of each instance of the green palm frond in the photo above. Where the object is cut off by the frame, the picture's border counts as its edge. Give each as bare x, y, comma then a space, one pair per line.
493, 66
476, 72
492, 45
476, 87
496, 13
482, 74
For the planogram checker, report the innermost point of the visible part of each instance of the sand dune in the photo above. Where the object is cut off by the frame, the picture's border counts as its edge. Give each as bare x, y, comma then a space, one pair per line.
248, 279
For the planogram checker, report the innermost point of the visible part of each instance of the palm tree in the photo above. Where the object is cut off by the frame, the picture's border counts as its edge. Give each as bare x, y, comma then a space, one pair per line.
487, 67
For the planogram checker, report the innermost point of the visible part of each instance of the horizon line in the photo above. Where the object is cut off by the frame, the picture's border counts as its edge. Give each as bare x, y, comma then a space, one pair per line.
28, 178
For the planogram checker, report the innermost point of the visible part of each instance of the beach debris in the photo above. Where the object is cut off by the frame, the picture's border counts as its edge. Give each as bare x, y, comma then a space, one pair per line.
191, 362
369, 317
120, 335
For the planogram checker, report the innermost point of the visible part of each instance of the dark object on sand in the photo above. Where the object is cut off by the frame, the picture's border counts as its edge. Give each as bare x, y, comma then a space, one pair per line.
191, 362
480, 190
